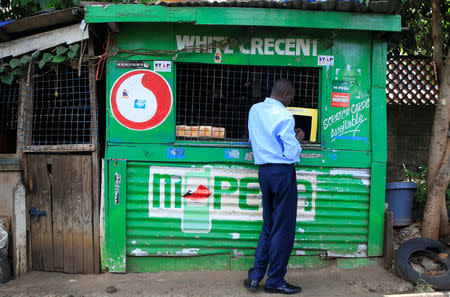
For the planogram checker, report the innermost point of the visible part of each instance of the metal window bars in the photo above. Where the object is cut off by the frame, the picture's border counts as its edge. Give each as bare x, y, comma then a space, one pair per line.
9, 101
62, 117
212, 101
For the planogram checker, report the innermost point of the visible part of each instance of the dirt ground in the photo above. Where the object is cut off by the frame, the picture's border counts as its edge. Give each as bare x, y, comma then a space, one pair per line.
330, 281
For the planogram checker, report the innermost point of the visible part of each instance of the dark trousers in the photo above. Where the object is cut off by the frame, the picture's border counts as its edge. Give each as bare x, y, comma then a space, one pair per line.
278, 185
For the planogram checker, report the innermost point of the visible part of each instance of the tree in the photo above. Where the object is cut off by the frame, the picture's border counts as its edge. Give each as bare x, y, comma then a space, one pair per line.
16, 9
435, 217
416, 38
427, 33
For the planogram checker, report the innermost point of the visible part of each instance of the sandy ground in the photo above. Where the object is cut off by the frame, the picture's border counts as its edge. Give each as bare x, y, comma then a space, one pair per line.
330, 281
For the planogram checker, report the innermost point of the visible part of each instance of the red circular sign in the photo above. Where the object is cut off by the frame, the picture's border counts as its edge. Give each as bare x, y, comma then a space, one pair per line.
141, 99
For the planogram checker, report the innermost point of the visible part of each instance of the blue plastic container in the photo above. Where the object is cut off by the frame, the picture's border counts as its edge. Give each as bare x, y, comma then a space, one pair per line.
400, 197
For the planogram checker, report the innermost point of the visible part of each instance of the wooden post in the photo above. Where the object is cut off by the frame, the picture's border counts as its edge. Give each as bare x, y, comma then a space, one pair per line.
95, 160
24, 125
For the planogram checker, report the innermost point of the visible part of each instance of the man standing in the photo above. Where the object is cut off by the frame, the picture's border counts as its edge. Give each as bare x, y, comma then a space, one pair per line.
276, 148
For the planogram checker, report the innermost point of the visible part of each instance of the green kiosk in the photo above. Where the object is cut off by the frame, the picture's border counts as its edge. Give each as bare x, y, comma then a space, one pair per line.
181, 190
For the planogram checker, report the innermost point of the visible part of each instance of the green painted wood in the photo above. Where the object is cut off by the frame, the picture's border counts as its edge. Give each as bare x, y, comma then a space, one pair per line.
196, 154
377, 205
170, 263
116, 132
117, 202
138, 13
378, 103
297, 18
242, 17
295, 262
348, 128
353, 263
104, 226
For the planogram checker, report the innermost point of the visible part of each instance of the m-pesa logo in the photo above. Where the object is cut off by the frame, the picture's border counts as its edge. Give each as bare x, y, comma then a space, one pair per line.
199, 195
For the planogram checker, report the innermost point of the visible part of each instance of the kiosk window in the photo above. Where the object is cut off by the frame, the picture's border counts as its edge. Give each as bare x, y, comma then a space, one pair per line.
212, 101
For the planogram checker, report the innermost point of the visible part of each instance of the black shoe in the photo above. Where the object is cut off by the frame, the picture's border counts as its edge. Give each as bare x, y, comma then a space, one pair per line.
251, 284
286, 289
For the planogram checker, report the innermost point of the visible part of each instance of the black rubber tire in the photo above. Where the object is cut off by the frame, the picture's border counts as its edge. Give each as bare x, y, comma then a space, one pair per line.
5, 270
426, 247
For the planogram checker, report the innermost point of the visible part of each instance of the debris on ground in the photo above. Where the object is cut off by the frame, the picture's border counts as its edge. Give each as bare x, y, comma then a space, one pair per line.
403, 234
111, 290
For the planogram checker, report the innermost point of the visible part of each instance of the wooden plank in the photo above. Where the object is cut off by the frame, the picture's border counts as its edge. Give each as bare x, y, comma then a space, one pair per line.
116, 216
36, 253
38, 21
67, 212
86, 185
59, 194
42, 41
77, 211
39, 187
388, 249
376, 211
59, 148
243, 16
25, 111
20, 230
95, 164
46, 221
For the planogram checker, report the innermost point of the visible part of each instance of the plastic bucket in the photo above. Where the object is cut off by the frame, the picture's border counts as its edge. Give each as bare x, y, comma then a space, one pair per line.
400, 197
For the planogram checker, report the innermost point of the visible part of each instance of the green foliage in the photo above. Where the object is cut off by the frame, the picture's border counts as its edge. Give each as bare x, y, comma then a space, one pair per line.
419, 177
16, 66
45, 58
417, 39
16, 9
73, 50
59, 59
13, 63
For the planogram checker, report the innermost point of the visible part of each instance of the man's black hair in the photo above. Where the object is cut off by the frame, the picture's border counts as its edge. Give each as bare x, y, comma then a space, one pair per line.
282, 85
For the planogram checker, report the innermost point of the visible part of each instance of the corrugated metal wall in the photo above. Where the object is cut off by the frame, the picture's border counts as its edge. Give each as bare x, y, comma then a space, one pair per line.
186, 209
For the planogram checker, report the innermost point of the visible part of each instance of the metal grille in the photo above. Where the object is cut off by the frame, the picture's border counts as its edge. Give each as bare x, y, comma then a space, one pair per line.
411, 81
9, 100
213, 101
62, 116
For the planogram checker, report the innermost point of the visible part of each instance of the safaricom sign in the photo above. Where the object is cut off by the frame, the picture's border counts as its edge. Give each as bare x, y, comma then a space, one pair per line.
260, 46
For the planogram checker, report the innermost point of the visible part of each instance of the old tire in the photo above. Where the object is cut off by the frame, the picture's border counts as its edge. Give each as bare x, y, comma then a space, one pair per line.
424, 247
5, 270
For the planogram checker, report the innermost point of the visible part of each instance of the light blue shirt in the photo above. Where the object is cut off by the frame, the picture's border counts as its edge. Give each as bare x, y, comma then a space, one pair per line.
272, 135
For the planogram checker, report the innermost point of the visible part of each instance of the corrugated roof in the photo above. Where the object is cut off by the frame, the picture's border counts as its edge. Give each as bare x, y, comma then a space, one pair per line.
373, 6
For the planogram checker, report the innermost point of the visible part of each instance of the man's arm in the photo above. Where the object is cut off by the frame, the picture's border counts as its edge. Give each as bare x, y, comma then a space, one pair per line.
288, 136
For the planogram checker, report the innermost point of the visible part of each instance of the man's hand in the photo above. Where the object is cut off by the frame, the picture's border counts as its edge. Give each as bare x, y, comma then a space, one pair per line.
299, 134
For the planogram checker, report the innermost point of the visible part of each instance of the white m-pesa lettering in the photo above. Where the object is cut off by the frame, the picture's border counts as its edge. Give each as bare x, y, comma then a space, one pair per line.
260, 46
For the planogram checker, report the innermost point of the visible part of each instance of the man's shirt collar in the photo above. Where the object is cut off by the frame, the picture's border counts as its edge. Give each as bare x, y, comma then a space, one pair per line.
274, 101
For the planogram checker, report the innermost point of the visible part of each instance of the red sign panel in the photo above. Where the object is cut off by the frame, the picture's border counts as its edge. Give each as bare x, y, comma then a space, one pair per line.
141, 99
340, 99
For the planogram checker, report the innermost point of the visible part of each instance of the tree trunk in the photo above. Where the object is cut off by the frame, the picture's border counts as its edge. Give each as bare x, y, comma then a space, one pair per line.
435, 198
444, 228
434, 217
437, 36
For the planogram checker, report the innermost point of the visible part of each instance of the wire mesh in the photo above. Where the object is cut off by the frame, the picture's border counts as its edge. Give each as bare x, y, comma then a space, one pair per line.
62, 113
213, 101
9, 101
411, 81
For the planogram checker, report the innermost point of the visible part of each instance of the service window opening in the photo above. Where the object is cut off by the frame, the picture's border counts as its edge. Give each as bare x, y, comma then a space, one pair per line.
212, 101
